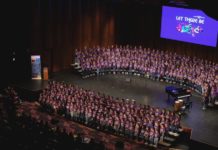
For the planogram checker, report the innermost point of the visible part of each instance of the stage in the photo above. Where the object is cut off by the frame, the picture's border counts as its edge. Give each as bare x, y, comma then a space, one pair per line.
30, 90
203, 123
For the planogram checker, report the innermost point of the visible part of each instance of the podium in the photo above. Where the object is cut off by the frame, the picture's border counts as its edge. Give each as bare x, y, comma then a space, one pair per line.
45, 73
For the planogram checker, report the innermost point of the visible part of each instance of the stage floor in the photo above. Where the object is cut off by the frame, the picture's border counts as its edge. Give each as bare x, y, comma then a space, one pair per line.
204, 123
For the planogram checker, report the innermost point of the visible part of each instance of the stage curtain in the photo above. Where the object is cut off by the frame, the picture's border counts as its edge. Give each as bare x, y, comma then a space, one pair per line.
58, 27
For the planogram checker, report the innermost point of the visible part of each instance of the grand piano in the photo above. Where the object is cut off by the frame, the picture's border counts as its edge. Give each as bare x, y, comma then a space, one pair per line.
178, 92
180, 97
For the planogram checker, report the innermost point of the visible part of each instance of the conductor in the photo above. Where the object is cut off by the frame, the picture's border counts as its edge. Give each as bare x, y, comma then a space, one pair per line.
206, 94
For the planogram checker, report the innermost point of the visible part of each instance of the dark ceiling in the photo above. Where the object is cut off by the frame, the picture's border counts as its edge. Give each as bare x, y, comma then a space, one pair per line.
206, 5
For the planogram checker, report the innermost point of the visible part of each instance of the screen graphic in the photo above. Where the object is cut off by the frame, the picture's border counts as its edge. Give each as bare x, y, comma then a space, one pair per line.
188, 25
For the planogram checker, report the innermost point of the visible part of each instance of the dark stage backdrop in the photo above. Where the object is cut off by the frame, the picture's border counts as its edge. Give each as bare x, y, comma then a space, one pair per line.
58, 27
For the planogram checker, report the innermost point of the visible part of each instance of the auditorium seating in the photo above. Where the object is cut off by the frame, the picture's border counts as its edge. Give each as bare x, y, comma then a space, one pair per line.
117, 116
52, 124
